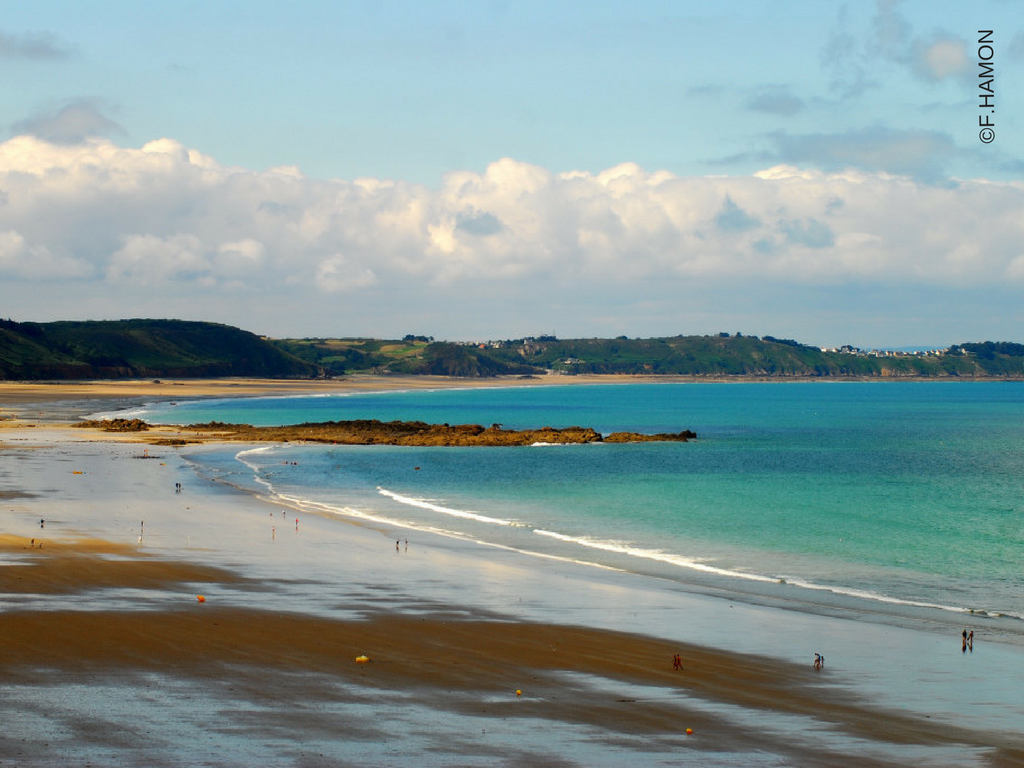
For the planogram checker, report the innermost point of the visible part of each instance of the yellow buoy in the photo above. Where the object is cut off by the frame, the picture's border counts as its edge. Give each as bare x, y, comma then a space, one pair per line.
518, 692
362, 659
689, 731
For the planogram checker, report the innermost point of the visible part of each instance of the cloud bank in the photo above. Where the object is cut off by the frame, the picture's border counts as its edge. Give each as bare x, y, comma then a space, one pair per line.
165, 221
72, 123
32, 46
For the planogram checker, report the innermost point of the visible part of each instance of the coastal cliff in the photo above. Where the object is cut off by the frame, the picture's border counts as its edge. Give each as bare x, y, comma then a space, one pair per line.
414, 433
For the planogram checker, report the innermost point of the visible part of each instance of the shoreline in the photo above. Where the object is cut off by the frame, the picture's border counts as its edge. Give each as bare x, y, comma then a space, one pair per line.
32, 403
70, 621
22, 393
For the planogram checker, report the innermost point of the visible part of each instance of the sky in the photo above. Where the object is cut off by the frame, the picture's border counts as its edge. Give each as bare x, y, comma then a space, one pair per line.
816, 170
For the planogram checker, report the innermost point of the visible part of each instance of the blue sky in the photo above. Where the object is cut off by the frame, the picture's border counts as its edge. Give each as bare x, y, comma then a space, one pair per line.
497, 169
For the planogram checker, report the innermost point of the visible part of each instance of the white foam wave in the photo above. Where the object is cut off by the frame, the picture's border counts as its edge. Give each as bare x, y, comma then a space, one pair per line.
863, 594
463, 513
611, 546
697, 564
653, 554
139, 412
243, 457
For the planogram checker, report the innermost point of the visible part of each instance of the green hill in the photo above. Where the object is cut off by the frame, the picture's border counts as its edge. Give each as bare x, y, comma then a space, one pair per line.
413, 356
185, 349
737, 355
140, 349
711, 356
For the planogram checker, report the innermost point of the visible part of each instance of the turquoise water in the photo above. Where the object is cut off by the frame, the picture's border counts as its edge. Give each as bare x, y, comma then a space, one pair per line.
902, 499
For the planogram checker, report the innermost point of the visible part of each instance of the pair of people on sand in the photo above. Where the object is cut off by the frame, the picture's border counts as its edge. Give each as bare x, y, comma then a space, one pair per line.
968, 641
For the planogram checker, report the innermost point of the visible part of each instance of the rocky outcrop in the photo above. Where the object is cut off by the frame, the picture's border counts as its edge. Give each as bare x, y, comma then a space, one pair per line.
374, 432
661, 437
115, 425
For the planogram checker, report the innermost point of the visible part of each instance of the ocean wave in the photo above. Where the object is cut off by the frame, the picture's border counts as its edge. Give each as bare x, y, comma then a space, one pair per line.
462, 513
323, 508
625, 548
696, 564
878, 597
248, 457
328, 510
138, 412
257, 476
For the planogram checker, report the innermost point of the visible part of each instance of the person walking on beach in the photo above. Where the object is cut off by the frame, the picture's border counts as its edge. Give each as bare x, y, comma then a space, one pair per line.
677, 662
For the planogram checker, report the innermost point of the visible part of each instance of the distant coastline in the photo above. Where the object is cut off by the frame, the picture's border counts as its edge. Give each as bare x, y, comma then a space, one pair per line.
158, 349
49, 402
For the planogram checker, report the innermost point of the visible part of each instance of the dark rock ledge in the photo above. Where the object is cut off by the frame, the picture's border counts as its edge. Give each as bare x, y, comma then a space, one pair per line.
374, 432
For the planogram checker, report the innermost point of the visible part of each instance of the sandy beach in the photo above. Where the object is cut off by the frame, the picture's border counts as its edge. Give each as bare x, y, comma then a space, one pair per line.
110, 657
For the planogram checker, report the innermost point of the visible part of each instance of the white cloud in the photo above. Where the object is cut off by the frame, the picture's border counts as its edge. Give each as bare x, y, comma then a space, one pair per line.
168, 223
775, 100
149, 260
919, 153
72, 123
247, 250
941, 58
23, 261
858, 60
336, 275
33, 46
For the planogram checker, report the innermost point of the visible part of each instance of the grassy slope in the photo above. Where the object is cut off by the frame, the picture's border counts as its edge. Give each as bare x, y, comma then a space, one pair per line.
151, 348
139, 348
678, 355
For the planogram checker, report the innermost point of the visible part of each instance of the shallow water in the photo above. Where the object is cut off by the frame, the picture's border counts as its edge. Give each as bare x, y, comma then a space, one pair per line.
328, 566
900, 498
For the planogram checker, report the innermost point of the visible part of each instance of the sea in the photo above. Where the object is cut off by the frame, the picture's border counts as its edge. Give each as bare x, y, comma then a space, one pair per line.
899, 502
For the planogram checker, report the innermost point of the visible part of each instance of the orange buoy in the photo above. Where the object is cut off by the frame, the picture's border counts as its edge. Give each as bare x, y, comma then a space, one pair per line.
689, 731
201, 598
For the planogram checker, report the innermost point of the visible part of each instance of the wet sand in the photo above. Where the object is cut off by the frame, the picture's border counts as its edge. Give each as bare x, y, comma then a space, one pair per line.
109, 657
18, 396
468, 666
